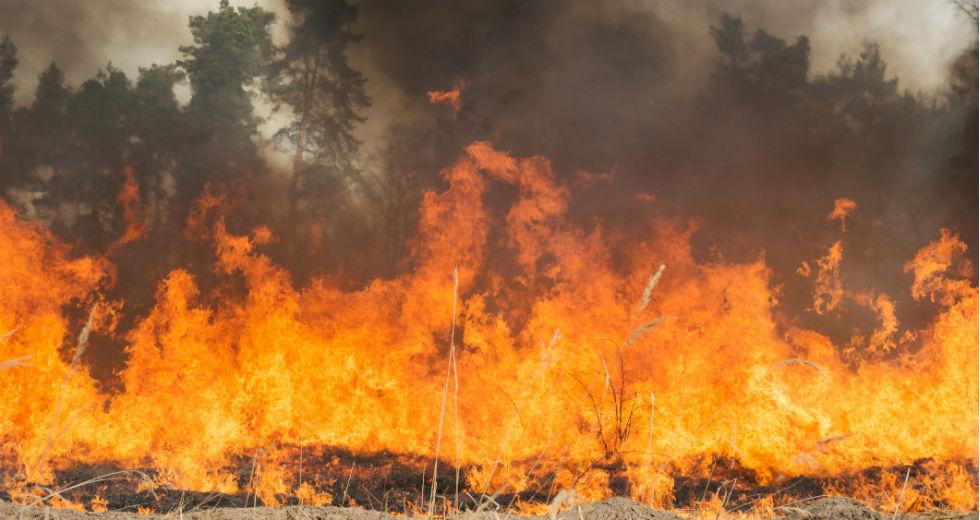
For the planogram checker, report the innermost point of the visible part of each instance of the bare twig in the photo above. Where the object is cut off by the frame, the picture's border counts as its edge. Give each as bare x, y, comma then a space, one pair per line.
350, 475
969, 8
901, 496
724, 505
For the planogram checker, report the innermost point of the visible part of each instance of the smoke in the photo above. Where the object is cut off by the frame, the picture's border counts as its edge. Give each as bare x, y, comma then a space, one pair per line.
82, 37
627, 87
602, 87
635, 103
637, 94
419, 47
920, 39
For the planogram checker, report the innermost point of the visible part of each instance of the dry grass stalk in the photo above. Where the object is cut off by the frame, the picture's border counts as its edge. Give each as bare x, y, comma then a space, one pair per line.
643, 329
36, 500
350, 475
648, 290
57, 426
302, 422
650, 431
799, 361
728, 496
251, 478
6, 335
83, 336
15, 362
450, 373
638, 332
624, 406
901, 496
452, 351
539, 459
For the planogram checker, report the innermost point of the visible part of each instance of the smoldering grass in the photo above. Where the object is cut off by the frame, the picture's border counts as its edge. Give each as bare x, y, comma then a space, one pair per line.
53, 493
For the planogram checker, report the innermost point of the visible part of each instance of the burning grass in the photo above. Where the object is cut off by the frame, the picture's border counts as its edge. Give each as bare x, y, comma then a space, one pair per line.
402, 484
474, 378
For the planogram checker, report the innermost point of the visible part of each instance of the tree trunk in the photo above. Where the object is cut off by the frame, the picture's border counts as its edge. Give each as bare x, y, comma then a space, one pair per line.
309, 88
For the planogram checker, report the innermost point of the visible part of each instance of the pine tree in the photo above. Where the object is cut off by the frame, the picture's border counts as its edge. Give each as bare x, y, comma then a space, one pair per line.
8, 62
314, 79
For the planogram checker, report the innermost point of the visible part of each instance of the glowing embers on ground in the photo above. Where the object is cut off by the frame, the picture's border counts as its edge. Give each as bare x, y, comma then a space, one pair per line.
569, 368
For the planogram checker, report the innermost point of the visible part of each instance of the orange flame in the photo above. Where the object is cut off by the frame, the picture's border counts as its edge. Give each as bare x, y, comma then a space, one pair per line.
588, 352
452, 97
129, 198
843, 208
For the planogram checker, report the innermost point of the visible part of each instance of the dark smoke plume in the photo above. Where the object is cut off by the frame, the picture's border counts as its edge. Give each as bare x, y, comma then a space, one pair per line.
739, 115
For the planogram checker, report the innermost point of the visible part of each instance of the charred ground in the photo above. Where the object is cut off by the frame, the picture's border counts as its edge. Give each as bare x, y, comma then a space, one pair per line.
402, 484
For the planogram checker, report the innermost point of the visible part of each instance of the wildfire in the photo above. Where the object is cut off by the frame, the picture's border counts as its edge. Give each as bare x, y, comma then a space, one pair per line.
581, 355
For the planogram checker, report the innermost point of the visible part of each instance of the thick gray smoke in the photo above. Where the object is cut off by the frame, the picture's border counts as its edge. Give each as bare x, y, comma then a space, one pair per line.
751, 116
919, 38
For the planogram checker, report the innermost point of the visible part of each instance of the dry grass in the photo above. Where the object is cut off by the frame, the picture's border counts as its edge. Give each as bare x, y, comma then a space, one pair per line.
13, 362
624, 403
648, 290
451, 372
57, 425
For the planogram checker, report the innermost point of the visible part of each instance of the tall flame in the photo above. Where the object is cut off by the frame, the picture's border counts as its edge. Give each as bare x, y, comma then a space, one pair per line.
572, 346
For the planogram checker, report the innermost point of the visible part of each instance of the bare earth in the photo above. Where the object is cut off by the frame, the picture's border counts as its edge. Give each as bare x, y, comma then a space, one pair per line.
612, 509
